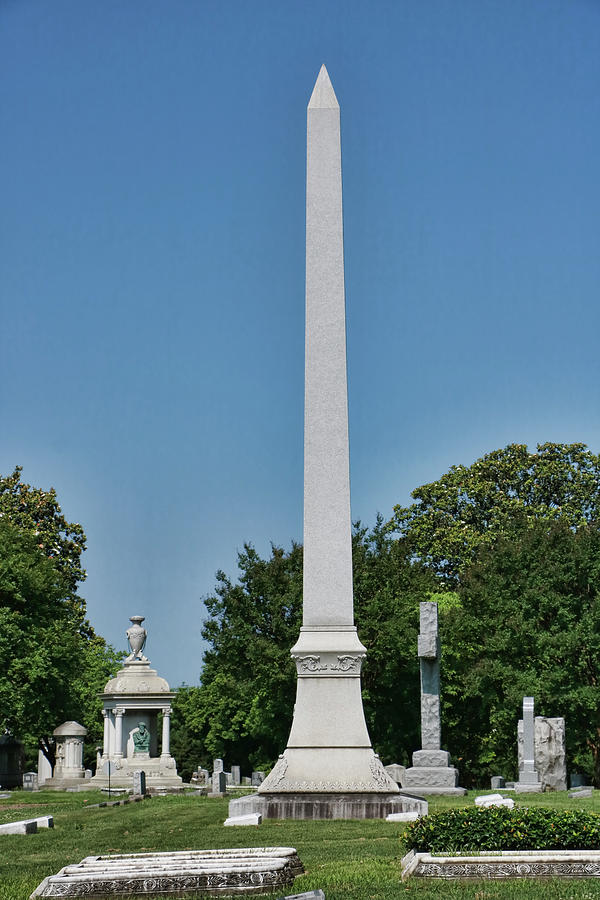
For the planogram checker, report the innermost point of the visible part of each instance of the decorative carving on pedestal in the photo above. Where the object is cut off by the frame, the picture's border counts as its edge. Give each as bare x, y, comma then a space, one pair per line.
329, 663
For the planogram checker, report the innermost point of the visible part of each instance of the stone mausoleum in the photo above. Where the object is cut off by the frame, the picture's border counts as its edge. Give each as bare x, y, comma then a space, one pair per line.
133, 701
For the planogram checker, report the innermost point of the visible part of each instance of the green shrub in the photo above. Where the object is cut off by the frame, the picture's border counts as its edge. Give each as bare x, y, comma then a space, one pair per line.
498, 828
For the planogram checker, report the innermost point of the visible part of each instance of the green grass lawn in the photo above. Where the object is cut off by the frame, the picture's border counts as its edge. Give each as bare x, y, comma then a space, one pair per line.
348, 860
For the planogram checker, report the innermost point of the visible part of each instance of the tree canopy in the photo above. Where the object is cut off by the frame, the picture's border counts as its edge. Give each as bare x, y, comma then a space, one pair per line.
52, 663
528, 624
472, 506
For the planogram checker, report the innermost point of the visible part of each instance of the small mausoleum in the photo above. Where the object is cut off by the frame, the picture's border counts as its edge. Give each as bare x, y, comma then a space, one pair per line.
68, 768
133, 701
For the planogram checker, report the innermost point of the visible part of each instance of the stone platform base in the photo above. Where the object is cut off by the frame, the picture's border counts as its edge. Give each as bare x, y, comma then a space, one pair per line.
431, 773
161, 774
422, 790
327, 806
528, 788
66, 784
195, 872
504, 864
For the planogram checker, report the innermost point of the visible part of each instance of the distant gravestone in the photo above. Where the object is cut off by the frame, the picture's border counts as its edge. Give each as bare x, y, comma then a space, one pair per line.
219, 784
218, 766
139, 783
396, 773
30, 781
246, 780
88, 773
257, 778
528, 777
497, 782
236, 775
44, 769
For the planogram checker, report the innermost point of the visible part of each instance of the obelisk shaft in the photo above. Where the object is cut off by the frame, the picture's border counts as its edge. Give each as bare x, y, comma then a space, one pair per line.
327, 525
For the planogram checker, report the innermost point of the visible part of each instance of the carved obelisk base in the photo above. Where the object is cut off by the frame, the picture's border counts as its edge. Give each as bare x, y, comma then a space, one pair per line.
328, 769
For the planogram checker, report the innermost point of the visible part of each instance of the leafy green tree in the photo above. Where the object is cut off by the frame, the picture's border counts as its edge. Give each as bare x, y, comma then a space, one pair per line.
187, 743
52, 664
248, 680
37, 512
469, 508
528, 624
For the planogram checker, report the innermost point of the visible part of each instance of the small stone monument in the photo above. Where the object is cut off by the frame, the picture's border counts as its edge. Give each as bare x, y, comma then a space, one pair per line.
133, 701
549, 751
236, 775
396, 773
529, 781
68, 767
44, 768
431, 772
218, 785
139, 783
30, 781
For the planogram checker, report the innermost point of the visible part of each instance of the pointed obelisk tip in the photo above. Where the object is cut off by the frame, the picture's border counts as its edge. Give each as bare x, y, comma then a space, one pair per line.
323, 95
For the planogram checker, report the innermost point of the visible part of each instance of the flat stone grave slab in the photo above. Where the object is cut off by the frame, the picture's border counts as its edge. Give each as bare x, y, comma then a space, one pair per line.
504, 864
206, 872
27, 826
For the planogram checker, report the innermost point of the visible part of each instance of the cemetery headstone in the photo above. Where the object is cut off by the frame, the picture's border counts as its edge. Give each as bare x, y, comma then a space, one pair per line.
257, 778
219, 785
44, 769
139, 783
431, 772
529, 781
497, 782
218, 766
30, 781
236, 775
396, 773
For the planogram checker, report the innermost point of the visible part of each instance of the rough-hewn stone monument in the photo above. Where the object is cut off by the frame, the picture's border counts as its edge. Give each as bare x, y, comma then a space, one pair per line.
548, 751
132, 702
328, 769
431, 772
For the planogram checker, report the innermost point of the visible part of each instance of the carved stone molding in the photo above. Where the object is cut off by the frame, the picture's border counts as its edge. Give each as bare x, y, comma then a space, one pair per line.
329, 664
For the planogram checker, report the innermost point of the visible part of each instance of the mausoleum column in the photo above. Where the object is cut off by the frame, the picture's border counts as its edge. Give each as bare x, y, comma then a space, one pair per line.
166, 731
106, 740
119, 713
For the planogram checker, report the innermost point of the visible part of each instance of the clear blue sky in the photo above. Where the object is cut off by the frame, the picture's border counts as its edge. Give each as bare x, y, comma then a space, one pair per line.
152, 234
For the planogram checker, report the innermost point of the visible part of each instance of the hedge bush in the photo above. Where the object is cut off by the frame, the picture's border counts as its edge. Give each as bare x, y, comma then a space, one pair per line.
498, 828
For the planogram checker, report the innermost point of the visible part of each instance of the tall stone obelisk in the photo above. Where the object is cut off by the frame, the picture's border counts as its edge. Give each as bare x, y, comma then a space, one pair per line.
329, 769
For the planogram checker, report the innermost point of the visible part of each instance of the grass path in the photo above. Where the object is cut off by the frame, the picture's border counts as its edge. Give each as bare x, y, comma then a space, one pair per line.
348, 860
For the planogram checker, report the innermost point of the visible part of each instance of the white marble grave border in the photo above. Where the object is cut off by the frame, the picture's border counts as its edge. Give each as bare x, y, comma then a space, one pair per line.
504, 864
248, 871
